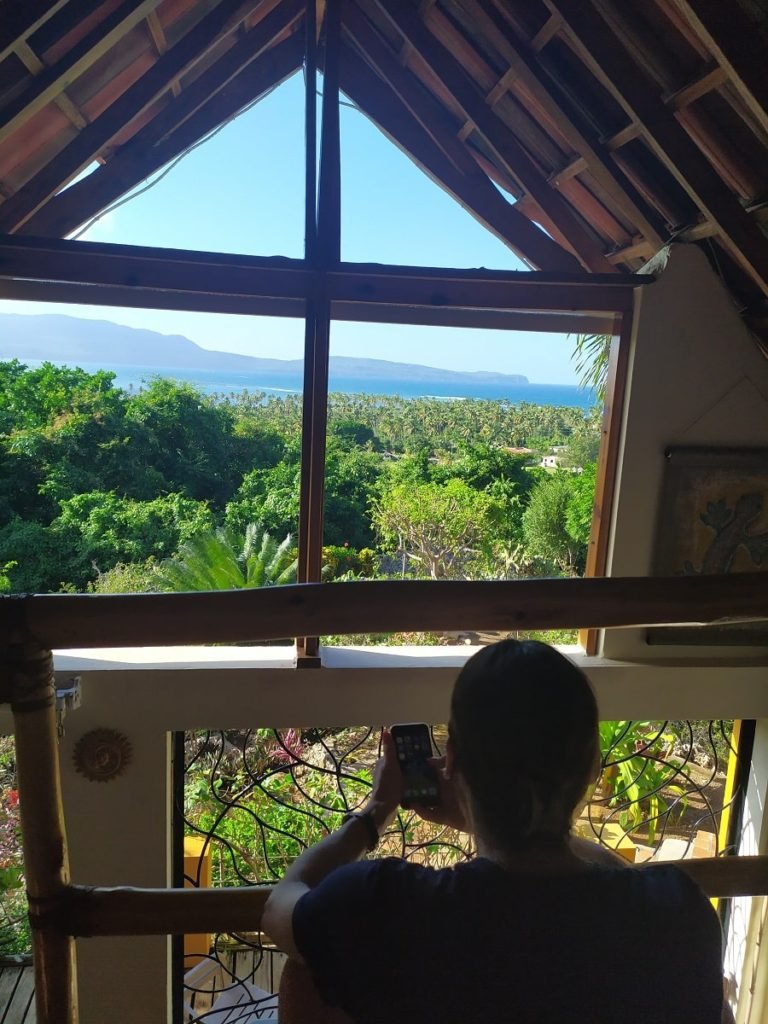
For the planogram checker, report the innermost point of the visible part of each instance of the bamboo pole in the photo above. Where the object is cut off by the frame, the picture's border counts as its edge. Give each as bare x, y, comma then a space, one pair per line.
314, 609
30, 688
91, 911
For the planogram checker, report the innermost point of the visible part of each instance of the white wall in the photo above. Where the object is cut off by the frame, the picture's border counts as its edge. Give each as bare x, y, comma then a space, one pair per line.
696, 378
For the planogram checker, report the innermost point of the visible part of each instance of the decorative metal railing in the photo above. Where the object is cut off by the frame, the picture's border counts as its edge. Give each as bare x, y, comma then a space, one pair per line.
254, 799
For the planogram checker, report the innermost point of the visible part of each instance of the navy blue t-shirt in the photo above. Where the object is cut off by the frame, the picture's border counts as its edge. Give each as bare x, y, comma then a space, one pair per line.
392, 942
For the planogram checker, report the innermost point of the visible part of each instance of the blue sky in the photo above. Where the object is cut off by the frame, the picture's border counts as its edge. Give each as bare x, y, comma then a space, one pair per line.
243, 191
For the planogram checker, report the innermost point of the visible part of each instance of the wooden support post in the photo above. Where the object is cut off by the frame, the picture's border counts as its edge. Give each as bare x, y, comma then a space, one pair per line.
28, 685
307, 647
325, 256
608, 460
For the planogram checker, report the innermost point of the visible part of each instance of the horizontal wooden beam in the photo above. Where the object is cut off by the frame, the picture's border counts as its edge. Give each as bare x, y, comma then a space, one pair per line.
20, 20
53, 80
243, 74
60, 621
148, 270
98, 911
78, 153
422, 316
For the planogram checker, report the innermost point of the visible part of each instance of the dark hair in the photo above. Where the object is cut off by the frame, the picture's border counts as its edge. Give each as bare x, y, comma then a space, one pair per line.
524, 726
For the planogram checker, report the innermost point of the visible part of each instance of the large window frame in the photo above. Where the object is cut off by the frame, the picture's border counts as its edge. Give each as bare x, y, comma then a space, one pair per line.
322, 288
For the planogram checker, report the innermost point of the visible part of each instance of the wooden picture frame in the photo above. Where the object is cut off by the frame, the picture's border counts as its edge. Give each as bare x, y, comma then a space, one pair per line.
713, 518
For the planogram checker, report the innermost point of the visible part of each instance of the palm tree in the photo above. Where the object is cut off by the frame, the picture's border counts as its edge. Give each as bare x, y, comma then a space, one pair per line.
591, 356
223, 560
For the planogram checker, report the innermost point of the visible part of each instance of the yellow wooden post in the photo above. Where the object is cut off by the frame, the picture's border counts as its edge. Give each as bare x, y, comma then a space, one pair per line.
197, 875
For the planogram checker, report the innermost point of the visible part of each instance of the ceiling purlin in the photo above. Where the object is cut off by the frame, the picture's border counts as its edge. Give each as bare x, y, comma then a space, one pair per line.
732, 40
19, 21
159, 142
672, 74
35, 66
80, 151
536, 88
603, 53
506, 148
418, 125
53, 80
547, 148
160, 42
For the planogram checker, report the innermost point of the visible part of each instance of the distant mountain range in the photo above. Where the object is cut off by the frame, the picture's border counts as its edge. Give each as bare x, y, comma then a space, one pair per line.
69, 339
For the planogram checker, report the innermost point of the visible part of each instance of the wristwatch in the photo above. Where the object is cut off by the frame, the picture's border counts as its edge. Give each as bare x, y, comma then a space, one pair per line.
366, 817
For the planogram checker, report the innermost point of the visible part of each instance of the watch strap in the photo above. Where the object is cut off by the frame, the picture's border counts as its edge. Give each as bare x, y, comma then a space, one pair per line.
370, 826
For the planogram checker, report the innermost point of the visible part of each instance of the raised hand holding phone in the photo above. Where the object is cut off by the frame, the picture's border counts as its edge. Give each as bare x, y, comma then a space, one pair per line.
413, 744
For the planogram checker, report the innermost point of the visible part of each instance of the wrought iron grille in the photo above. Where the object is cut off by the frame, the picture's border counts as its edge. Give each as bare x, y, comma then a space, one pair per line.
254, 799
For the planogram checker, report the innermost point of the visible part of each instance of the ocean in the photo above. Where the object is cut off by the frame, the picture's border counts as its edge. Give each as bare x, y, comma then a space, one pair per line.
131, 378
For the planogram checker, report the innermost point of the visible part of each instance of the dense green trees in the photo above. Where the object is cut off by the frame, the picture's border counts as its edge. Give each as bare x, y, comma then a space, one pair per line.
99, 487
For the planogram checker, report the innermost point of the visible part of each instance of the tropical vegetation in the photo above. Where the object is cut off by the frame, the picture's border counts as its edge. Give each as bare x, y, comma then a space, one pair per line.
106, 490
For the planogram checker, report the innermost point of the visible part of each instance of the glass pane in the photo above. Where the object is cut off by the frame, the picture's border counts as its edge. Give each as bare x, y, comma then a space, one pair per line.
240, 191
147, 450
456, 454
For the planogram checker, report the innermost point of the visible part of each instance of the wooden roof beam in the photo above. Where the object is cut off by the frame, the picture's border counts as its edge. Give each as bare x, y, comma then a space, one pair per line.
707, 82
507, 150
548, 31
439, 154
20, 20
52, 81
35, 66
80, 151
527, 72
160, 43
732, 40
156, 145
603, 53
156, 271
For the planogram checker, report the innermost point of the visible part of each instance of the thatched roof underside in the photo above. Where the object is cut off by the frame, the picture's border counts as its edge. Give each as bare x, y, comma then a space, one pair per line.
584, 133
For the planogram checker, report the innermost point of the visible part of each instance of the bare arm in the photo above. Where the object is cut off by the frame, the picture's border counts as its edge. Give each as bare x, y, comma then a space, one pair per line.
341, 847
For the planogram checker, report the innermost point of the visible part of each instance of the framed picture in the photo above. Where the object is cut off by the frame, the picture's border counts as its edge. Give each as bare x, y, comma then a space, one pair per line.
713, 518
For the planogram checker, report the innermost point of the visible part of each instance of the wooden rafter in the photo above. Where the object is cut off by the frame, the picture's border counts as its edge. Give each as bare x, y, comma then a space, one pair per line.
524, 71
81, 150
603, 53
736, 46
20, 20
507, 150
419, 125
243, 74
53, 80
160, 43
35, 66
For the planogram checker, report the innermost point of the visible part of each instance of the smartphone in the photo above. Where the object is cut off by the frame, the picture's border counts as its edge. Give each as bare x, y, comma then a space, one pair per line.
413, 743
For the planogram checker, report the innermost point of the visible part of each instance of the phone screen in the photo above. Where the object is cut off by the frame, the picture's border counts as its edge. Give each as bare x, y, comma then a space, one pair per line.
414, 746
